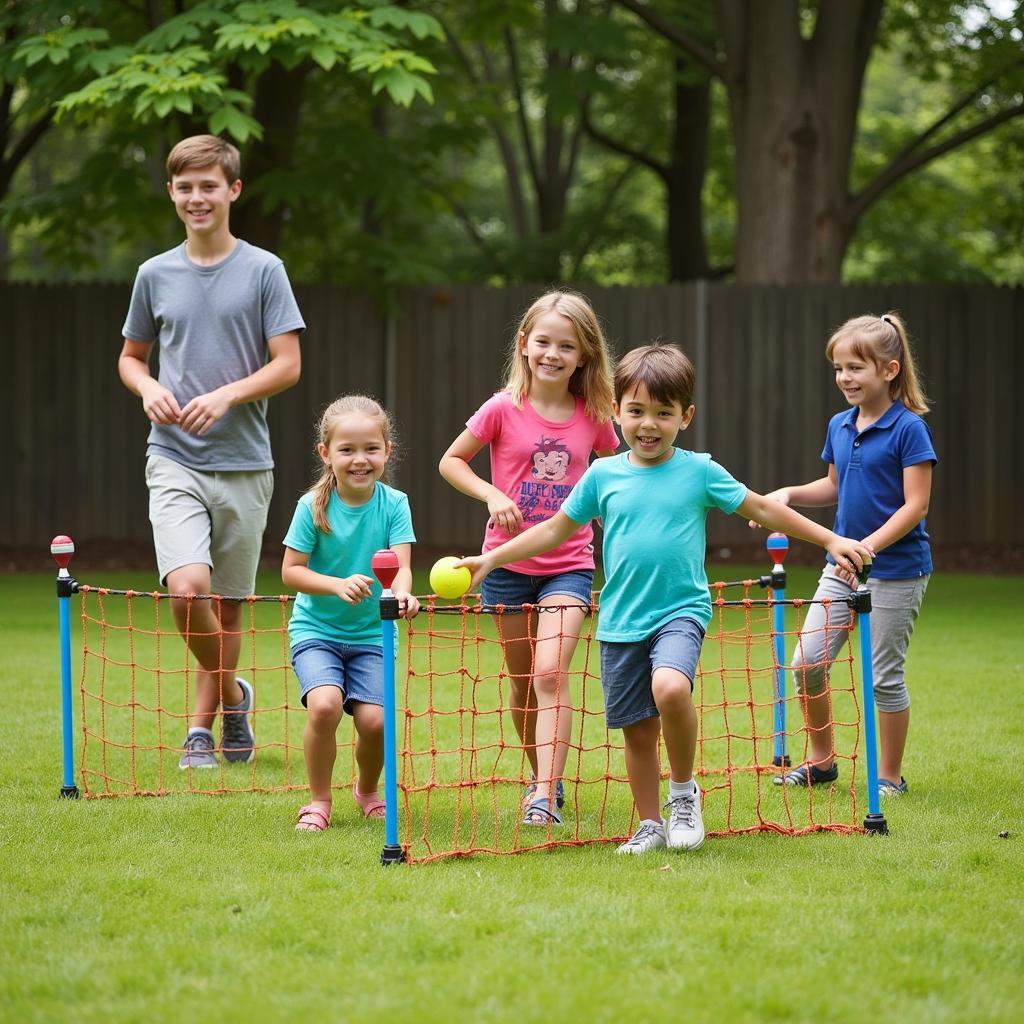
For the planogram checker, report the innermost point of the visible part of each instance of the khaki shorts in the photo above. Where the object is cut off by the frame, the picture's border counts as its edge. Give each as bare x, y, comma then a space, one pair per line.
215, 519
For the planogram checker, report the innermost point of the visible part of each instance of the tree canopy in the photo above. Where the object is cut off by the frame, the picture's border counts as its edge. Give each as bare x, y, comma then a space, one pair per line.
613, 140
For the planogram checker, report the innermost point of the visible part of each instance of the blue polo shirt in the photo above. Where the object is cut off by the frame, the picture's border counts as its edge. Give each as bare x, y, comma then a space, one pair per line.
870, 467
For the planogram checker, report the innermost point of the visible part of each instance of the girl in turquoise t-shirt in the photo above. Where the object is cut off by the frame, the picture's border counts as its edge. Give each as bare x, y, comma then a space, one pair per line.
334, 630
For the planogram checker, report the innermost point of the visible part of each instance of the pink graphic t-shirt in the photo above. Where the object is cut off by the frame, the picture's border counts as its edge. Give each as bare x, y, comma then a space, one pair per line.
536, 462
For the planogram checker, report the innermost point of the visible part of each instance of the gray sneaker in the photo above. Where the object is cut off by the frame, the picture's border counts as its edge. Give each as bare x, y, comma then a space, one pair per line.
198, 752
649, 836
236, 738
685, 827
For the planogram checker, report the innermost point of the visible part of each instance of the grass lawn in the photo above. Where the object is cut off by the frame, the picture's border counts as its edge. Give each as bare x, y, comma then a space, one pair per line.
199, 907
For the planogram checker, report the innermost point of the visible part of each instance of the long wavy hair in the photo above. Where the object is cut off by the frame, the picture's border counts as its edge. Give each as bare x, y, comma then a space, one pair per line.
593, 380
880, 340
325, 481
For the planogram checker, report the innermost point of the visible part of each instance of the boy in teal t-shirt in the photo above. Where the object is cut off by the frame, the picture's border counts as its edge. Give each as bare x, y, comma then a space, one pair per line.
653, 502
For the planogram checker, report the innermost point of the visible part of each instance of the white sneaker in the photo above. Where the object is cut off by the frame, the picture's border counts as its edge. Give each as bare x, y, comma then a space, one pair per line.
649, 836
685, 827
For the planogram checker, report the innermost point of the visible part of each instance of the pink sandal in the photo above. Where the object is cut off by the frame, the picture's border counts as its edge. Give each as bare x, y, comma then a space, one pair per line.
370, 803
312, 819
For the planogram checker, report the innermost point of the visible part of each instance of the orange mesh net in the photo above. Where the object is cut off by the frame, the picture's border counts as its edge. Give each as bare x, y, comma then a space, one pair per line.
462, 766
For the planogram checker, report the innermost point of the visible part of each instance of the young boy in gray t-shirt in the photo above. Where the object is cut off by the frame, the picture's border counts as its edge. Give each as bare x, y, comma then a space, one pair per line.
225, 319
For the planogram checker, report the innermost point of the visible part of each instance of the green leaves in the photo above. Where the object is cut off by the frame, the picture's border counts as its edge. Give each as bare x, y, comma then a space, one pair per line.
185, 64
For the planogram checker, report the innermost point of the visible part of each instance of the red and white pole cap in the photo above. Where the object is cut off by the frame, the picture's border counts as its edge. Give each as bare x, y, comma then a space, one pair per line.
385, 566
62, 548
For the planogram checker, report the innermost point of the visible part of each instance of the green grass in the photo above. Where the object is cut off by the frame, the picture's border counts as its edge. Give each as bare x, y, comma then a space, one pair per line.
189, 907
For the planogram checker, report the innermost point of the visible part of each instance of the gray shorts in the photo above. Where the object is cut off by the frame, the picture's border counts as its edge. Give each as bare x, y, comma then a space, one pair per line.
216, 519
627, 669
895, 605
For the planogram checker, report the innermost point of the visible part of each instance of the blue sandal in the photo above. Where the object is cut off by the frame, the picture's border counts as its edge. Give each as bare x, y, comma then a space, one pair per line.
527, 798
540, 813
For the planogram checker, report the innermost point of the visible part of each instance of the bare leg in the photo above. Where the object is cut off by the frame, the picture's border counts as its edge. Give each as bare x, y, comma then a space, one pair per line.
210, 630
892, 741
641, 750
319, 742
517, 633
557, 636
369, 719
818, 716
674, 699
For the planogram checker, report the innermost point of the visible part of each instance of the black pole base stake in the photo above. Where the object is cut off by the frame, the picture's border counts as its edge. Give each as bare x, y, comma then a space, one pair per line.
69, 793
875, 823
781, 761
392, 855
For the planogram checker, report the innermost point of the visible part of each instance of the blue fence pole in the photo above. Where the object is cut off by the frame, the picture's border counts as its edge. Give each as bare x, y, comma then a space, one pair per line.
62, 548
778, 545
385, 568
875, 820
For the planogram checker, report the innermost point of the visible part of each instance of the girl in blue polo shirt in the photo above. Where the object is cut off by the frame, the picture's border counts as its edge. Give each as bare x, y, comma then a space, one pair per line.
880, 456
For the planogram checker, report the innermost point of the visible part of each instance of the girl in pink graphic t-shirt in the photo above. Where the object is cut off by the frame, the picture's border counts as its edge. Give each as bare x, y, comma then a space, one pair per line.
553, 413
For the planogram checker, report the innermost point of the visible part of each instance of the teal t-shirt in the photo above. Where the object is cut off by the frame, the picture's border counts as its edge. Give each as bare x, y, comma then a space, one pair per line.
654, 537
356, 533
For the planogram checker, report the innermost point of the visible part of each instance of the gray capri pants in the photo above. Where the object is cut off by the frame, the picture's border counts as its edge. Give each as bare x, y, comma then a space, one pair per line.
894, 608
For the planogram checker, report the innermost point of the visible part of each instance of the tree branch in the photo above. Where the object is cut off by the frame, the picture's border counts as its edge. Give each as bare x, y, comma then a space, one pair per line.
675, 35
595, 222
470, 228
524, 127
22, 148
623, 150
909, 160
460, 53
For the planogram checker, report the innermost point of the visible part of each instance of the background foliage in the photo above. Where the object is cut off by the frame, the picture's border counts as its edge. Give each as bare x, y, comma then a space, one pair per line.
504, 140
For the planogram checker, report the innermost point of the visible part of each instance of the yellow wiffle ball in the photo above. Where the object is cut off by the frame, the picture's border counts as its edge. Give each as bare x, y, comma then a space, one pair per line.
448, 582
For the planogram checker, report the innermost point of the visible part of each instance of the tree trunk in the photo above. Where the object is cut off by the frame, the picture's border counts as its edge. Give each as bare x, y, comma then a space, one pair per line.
684, 179
279, 95
794, 106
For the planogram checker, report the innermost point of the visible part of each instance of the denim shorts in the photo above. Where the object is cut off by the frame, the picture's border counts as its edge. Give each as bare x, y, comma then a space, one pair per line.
627, 668
355, 669
503, 586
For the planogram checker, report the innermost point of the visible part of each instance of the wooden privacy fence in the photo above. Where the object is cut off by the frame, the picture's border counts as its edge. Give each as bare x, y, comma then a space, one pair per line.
75, 438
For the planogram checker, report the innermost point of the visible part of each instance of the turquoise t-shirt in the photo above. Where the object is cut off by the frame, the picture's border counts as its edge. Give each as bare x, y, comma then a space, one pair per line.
654, 537
356, 533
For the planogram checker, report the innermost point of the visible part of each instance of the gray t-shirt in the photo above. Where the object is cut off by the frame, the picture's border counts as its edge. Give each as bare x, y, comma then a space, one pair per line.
212, 325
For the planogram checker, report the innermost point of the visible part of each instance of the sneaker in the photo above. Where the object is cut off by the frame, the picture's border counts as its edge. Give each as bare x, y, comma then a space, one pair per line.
198, 751
808, 775
236, 738
685, 827
649, 836
887, 788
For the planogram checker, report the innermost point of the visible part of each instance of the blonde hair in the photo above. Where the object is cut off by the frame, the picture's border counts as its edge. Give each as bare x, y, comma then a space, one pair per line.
205, 151
325, 482
880, 340
593, 380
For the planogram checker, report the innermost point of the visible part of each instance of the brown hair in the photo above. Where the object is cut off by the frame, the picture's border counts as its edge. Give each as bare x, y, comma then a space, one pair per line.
205, 151
593, 380
325, 482
881, 339
663, 370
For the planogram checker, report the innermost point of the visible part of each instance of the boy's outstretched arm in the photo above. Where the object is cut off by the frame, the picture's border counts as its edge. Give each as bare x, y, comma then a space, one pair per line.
815, 494
848, 554
534, 541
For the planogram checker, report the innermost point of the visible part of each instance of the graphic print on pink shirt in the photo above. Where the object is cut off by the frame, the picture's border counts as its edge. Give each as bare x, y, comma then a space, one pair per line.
536, 462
